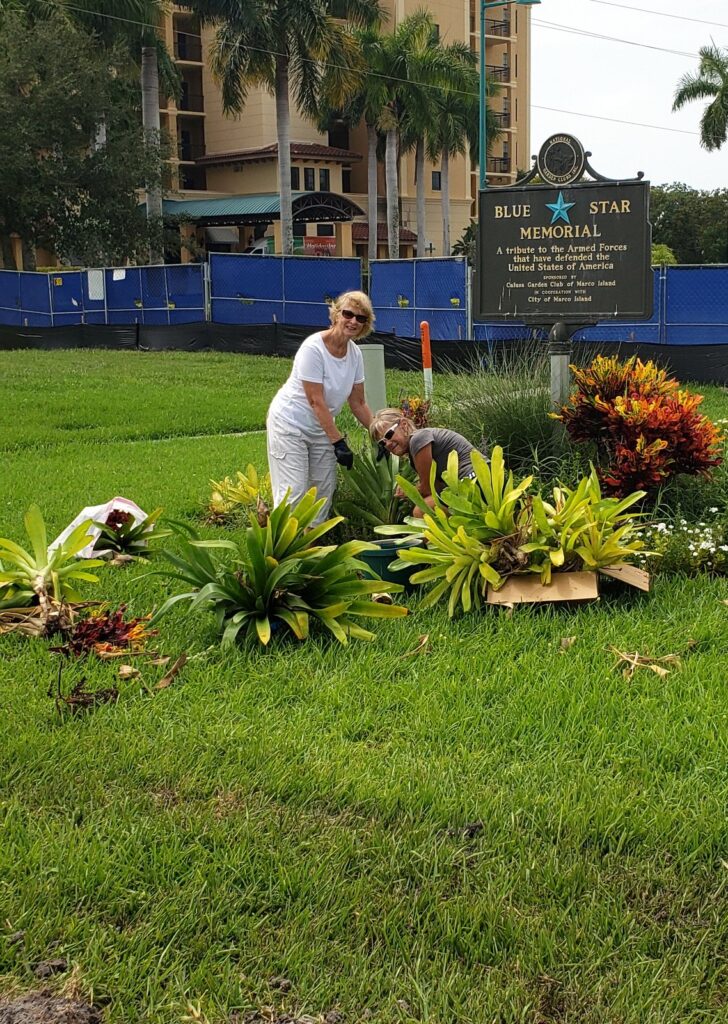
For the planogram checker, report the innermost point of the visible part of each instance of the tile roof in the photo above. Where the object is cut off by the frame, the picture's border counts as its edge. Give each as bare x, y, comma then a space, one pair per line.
299, 151
360, 233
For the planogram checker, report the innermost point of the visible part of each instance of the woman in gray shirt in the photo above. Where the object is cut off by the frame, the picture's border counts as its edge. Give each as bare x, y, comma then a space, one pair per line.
398, 435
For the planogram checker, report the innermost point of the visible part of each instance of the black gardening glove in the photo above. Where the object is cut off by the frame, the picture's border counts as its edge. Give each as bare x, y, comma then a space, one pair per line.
344, 454
382, 451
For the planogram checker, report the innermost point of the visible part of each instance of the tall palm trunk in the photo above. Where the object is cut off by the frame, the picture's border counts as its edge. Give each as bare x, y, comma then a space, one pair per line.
372, 191
421, 210
152, 131
283, 126
390, 163
445, 197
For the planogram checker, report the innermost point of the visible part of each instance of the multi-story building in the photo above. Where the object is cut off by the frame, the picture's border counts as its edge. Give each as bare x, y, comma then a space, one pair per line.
226, 169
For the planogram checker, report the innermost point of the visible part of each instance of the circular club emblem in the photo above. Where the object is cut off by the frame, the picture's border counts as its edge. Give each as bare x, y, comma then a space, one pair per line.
561, 160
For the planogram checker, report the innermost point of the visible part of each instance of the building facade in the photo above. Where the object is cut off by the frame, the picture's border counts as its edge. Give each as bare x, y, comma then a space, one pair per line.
219, 156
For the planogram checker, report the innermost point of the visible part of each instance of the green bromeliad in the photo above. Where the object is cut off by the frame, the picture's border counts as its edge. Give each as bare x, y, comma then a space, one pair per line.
280, 577
482, 530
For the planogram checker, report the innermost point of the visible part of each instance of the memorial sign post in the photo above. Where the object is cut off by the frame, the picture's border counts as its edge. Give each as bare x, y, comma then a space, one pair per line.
564, 253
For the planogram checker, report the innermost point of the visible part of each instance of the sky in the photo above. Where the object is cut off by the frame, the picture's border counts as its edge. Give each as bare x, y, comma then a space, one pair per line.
581, 75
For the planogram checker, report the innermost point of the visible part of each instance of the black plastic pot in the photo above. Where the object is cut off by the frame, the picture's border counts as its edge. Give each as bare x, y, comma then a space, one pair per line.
379, 561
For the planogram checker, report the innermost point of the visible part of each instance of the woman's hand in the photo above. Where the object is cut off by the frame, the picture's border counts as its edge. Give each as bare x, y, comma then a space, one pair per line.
398, 492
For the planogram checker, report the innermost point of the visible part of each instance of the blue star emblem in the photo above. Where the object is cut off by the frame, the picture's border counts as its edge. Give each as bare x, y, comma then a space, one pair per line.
560, 209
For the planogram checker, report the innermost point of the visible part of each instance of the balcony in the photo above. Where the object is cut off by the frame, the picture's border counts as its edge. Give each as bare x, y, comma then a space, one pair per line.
194, 102
497, 27
502, 119
188, 152
498, 73
498, 165
187, 47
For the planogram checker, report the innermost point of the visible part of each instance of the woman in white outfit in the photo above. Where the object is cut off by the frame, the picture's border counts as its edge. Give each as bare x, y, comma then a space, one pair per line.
304, 443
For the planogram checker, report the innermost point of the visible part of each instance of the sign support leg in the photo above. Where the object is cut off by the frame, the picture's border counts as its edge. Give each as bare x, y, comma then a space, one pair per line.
559, 349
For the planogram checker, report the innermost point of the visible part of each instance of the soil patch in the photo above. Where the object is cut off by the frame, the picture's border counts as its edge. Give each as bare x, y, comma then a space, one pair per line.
47, 1008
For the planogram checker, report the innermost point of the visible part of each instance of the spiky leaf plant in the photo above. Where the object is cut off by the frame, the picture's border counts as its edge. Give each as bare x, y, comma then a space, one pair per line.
281, 577
248, 493
371, 490
43, 577
122, 535
481, 531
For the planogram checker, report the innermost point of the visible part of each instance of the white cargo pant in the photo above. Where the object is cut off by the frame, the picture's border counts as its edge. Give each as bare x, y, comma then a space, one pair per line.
297, 463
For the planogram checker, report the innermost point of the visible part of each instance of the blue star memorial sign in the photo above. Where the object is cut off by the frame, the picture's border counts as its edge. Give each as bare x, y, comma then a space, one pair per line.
560, 209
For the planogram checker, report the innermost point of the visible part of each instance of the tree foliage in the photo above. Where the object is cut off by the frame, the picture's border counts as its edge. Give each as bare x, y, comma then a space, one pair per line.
66, 184
709, 83
692, 223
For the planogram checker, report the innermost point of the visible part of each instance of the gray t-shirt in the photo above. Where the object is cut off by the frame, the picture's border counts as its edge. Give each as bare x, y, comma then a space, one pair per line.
443, 442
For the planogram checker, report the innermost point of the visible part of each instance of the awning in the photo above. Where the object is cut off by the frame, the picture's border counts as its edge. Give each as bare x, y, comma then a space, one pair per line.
262, 209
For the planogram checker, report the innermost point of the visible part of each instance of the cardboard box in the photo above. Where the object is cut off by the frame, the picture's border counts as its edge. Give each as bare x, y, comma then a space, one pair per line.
577, 587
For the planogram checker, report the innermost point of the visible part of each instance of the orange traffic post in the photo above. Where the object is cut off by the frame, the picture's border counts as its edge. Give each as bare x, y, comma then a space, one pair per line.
426, 357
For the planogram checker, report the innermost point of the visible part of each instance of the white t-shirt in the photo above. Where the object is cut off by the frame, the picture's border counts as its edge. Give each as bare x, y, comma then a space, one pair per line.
315, 364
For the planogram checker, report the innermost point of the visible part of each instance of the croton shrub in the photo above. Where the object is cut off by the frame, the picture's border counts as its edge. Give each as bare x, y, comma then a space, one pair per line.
646, 428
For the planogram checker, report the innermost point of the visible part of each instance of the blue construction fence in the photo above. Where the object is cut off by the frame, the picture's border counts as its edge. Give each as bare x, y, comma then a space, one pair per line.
690, 308
690, 305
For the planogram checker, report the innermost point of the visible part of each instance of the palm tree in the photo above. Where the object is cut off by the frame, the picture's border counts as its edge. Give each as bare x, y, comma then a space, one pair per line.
405, 53
710, 82
439, 75
368, 104
419, 68
283, 45
454, 131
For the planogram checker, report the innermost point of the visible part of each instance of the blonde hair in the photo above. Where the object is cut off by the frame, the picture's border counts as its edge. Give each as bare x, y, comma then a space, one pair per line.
354, 298
386, 418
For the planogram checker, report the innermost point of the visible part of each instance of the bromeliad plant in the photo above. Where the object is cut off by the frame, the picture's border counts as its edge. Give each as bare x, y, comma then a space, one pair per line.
122, 535
279, 578
481, 531
249, 494
582, 529
42, 579
370, 489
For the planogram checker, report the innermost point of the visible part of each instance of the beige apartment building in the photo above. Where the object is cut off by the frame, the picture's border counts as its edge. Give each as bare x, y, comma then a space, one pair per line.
220, 158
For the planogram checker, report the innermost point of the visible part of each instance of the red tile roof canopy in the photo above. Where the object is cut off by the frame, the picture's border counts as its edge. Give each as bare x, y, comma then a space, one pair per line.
299, 151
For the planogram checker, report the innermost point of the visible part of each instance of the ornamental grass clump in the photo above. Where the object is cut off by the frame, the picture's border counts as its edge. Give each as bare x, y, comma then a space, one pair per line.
280, 579
646, 430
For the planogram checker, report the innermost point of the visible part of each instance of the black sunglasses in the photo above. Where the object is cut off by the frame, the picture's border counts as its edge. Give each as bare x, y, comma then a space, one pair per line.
389, 434
360, 318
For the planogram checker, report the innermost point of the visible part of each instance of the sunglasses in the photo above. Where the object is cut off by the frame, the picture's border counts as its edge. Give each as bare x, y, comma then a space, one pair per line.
389, 434
360, 318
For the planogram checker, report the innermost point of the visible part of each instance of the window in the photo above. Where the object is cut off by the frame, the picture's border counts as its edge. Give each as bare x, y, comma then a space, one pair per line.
437, 33
295, 178
325, 230
299, 229
309, 179
346, 179
324, 179
436, 181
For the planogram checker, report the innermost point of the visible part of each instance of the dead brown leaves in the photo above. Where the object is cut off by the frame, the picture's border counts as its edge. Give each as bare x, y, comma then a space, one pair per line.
630, 661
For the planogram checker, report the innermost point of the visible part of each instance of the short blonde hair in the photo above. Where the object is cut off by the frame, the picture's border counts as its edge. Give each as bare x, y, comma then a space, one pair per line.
386, 418
354, 298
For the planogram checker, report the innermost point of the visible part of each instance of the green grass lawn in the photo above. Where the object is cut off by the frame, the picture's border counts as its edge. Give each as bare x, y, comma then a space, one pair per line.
499, 828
